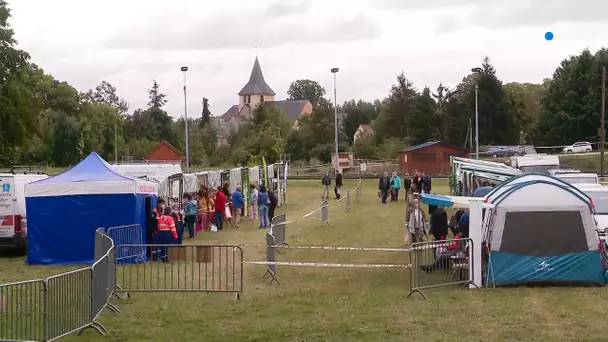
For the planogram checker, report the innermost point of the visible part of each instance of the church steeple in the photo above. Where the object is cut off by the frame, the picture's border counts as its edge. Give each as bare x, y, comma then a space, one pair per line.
257, 85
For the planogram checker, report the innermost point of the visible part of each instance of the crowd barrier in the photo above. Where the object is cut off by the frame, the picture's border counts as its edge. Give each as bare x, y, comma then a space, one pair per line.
440, 263
433, 264
60, 305
183, 268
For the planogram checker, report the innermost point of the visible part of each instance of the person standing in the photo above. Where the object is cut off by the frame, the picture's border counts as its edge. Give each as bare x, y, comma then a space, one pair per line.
407, 184
238, 203
384, 186
417, 223
426, 183
326, 181
253, 200
272, 197
220, 208
338, 186
205, 207
152, 225
417, 182
263, 202
189, 214
167, 233
395, 187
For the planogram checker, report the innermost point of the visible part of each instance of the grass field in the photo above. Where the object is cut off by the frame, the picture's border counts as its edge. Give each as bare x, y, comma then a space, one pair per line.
343, 304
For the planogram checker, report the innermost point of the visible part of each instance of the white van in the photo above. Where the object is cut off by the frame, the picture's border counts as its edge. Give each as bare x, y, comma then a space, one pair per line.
13, 223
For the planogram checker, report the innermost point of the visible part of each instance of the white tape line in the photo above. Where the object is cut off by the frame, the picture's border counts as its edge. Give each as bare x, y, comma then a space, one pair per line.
325, 265
339, 248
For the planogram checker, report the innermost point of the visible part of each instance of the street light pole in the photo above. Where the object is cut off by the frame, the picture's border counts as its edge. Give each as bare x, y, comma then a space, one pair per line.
184, 70
476, 71
334, 71
603, 129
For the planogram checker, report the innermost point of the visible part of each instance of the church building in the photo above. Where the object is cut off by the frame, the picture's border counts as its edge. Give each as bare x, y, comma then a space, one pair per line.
258, 92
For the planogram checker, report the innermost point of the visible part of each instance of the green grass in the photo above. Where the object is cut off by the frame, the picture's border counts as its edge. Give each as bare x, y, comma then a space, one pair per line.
343, 304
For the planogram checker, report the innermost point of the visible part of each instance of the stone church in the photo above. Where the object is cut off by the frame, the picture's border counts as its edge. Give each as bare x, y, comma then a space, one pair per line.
258, 92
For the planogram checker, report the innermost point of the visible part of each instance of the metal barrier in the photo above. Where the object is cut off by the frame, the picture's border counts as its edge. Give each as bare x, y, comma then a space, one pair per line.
348, 200
324, 214
49, 309
184, 268
23, 311
358, 191
131, 234
440, 263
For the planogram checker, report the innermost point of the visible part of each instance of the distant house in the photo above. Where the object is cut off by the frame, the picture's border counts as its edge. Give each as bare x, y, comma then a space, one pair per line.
164, 152
363, 130
432, 157
258, 92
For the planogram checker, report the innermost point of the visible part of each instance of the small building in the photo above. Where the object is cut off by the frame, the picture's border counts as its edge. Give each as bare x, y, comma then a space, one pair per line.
346, 161
164, 152
432, 157
363, 130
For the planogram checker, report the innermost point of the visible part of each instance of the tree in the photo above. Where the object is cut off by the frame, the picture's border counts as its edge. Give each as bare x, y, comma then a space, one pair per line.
524, 100
106, 93
307, 90
396, 109
572, 105
206, 114
420, 122
157, 99
357, 113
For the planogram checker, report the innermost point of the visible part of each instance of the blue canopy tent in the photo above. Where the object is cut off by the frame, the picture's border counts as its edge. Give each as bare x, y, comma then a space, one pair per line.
64, 211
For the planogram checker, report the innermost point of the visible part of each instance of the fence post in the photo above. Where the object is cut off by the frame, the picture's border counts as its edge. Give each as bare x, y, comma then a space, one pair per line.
358, 192
324, 214
348, 200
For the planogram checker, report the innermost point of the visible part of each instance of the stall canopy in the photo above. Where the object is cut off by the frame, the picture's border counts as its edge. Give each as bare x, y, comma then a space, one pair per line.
64, 211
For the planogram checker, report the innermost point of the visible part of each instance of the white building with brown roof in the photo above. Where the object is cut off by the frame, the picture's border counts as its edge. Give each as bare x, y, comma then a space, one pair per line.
258, 92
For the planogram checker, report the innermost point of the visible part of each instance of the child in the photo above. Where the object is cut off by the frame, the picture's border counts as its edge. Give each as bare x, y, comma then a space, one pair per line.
253, 206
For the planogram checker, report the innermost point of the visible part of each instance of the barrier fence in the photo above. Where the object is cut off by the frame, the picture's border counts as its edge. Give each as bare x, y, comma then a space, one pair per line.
183, 268
51, 308
432, 264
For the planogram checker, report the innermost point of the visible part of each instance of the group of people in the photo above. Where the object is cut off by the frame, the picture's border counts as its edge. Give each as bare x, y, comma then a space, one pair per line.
421, 182
209, 209
326, 182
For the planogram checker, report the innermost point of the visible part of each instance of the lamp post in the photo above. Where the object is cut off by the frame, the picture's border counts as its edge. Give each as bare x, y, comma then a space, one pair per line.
476, 71
334, 71
184, 70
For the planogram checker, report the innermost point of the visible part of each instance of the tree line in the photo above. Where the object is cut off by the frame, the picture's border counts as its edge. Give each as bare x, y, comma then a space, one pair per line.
46, 121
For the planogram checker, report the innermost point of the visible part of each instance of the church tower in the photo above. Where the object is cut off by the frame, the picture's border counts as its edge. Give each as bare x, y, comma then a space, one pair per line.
256, 91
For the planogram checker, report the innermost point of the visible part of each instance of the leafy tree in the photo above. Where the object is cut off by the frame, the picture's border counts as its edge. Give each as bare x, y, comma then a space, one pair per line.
365, 148
420, 122
307, 90
206, 114
396, 110
357, 113
572, 105
157, 99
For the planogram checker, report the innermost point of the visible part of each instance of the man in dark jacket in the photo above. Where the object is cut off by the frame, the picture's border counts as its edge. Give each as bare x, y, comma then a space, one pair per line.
152, 224
407, 184
384, 186
426, 183
338, 187
272, 197
326, 181
417, 182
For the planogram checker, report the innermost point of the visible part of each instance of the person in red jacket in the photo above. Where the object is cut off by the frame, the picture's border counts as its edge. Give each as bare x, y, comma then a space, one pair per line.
220, 207
167, 233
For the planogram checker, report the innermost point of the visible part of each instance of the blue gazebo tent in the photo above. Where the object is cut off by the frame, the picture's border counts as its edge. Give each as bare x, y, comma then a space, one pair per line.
64, 211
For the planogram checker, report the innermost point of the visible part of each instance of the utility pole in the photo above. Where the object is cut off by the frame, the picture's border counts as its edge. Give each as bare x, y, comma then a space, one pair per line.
184, 70
603, 129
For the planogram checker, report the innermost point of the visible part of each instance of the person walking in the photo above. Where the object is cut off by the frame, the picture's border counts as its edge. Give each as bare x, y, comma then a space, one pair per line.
152, 225
205, 207
338, 186
416, 224
384, 186
326, 181
253, 200
189, 214
395, 187
417, 182
426, 183
439, 224
407, 184
220, 208
238, 202
263, 203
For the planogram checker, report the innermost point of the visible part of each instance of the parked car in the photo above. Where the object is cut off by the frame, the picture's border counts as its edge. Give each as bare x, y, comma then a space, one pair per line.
579, 147
496, 152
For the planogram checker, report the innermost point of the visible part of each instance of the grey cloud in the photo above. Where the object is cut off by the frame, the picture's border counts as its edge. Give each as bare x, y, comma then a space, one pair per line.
521, 13
285, 8
245, 30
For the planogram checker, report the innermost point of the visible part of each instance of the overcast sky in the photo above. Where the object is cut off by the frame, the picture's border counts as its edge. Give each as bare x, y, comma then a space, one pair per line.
131, 42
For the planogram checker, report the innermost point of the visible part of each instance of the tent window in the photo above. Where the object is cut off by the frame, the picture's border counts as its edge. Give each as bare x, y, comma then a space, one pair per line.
544, 233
